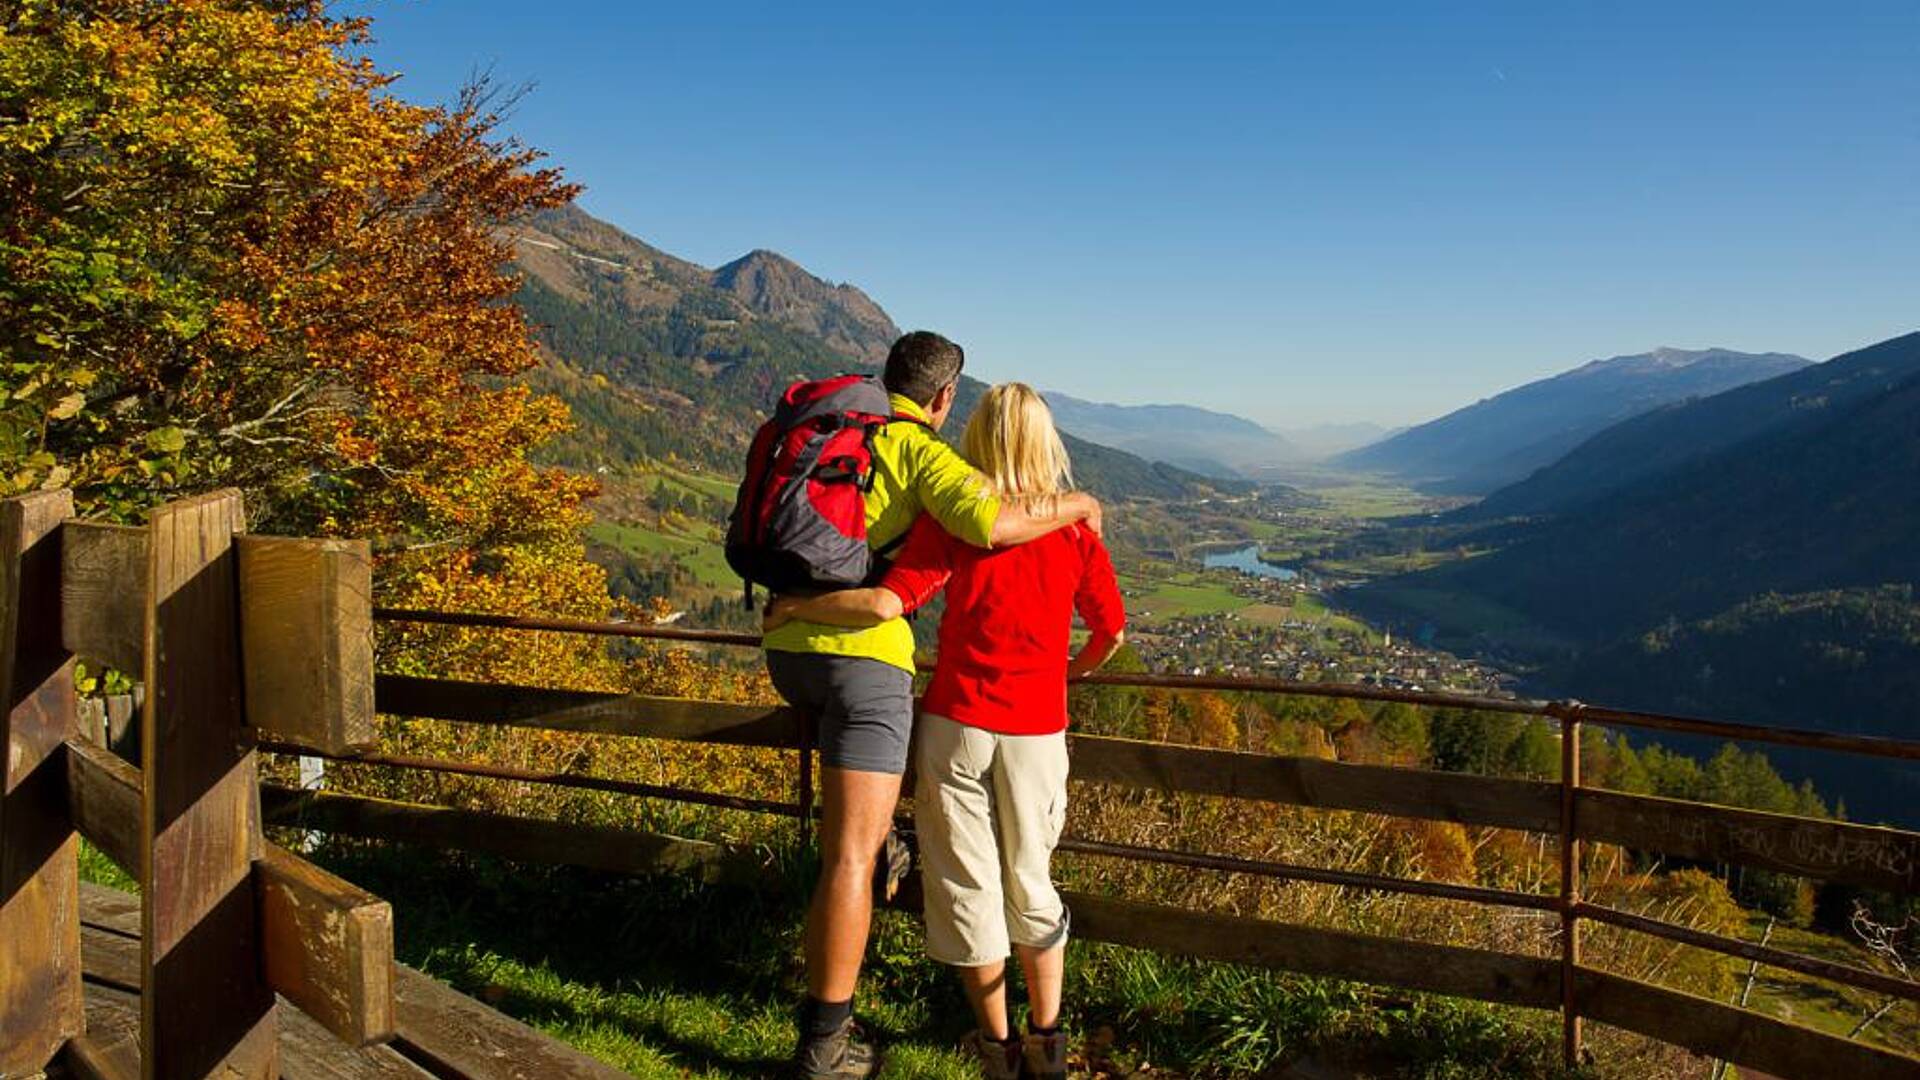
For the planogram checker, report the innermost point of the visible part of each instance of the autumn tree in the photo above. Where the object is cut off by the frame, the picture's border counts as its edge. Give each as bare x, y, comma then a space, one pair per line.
229, 256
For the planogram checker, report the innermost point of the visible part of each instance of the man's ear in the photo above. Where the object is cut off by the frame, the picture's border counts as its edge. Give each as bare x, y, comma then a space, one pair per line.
943, 400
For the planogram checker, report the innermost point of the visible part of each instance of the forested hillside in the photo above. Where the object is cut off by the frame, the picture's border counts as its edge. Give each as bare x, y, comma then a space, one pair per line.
1831, 501
1767, 578
662, 360
1837, 660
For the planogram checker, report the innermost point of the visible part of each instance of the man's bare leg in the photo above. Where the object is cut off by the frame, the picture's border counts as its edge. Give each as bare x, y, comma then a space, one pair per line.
856, 812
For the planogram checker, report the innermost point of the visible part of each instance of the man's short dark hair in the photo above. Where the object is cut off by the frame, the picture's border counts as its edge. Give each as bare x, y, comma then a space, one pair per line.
922, 364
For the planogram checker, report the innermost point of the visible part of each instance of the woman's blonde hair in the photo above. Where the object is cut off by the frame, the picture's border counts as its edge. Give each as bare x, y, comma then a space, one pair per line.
1011, 439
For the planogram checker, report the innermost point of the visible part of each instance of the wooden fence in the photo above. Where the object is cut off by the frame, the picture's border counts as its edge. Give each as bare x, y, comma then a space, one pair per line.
229, 921
229, 925
1870, 856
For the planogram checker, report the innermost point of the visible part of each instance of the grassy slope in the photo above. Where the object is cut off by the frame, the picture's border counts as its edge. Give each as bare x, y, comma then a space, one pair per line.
1833, 1009
664, 977
711, 1000
1155, 594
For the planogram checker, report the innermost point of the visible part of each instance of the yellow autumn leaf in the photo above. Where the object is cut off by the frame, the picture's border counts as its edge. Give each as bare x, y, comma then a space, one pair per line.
68, 406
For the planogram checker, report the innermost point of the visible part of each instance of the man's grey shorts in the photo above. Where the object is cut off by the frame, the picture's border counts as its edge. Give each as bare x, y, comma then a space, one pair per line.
864, 707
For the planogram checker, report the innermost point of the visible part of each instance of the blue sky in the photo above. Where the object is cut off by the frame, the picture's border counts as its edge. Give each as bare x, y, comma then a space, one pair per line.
1295, 216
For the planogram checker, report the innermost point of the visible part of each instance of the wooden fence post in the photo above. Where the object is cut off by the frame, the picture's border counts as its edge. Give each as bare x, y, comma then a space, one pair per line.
306, 629
1569, 717
206, 1008
40, 1001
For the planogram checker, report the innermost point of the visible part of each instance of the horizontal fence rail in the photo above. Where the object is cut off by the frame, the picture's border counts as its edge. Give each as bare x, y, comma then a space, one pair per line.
1869, 745
1503, 978
1870, 856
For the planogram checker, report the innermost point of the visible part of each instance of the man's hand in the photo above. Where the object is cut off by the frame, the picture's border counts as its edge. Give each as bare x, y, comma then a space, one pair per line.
1093, 519
778, 614
1017, 525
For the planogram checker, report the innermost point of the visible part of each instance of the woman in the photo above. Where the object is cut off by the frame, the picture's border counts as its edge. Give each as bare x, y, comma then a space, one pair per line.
991, 742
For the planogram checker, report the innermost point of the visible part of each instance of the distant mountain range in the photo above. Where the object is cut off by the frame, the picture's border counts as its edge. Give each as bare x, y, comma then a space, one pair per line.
1666, 437
660, 358
1204, 441
1759, 495
1751, 554
1503, 439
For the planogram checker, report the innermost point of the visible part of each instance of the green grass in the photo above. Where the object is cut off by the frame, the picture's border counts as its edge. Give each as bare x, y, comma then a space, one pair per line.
1826, 1006
1385, 565
1310, 607
648, 477
1152, 598
700, 553
97, 868
664, 977
1371, 498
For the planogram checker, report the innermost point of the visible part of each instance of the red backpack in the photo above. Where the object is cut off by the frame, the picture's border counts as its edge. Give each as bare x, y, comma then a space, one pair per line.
800, 522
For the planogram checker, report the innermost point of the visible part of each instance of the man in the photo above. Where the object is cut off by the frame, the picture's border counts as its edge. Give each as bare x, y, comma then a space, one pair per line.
858, 684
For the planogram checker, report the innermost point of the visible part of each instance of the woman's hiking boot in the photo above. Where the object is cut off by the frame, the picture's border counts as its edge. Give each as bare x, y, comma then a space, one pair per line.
998, 1060
1046, 1056
844, 1054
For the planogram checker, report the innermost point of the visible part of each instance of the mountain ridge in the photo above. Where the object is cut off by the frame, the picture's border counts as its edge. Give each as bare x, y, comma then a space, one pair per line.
841, 315
658, 360
1646, 444
1203, 440
1762, 568
1499, 440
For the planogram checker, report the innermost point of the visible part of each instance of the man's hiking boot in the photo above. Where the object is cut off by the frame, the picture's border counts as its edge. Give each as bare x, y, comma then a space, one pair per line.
844, 1055
998, 1060
1046, 1056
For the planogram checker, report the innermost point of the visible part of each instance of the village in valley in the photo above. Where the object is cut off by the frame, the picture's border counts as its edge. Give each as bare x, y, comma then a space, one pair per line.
1251, 588
1288, 631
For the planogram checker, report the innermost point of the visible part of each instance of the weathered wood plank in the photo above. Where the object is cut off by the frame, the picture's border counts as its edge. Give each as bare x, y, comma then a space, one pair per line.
307, 1050
103, 585
90, 1057
454, 1035
109, 909
586, 711
1727, 1031
110, 1049
599, 847
112, 958
1867, 855
1328, 785
103, 793
40, 1000
306, 625
329, 947
207, 1009
1442, 969
123, 726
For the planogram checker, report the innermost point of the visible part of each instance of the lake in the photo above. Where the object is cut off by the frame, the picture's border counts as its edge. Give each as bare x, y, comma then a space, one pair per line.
1247, 561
